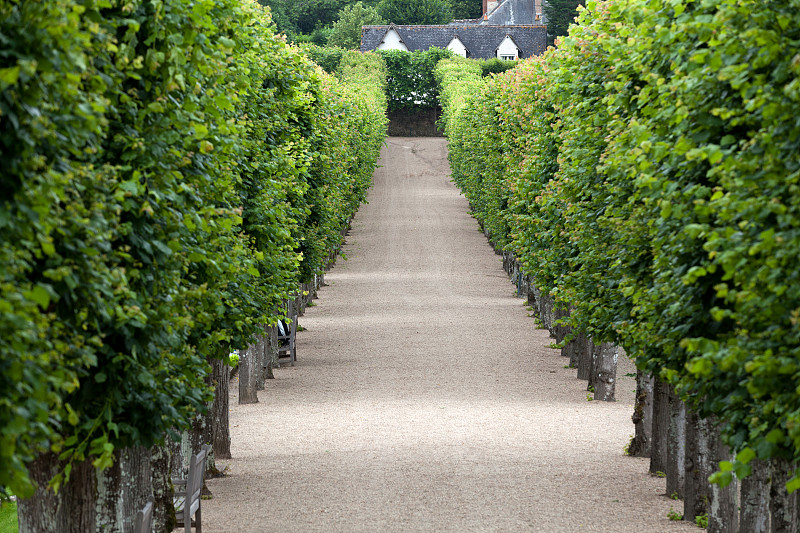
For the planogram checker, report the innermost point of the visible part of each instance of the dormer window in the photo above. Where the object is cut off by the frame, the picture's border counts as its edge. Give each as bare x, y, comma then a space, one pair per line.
508, 49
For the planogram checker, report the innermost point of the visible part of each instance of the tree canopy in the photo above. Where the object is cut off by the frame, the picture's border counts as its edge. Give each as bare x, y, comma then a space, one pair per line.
416, 11
347, 30
560, 14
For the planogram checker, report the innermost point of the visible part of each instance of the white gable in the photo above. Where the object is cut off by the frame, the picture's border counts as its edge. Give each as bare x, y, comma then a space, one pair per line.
457, 47
508, 49
392, 41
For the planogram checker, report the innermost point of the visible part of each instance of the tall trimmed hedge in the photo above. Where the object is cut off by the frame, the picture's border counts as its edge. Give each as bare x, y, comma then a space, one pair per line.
171, 171
646, 172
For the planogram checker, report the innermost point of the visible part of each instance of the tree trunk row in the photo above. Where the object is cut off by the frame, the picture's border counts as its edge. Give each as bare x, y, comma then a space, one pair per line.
682, 447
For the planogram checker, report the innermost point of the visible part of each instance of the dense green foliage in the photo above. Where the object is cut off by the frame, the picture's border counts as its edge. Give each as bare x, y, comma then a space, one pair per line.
410, 77
466, 9
171, 171
304, 16
325, 56
495, 65
346, 31
559, 15
647, 173
417, 12
316, 21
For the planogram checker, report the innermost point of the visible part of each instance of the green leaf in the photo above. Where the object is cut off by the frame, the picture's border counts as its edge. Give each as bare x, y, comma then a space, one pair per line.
9, 76
39, 295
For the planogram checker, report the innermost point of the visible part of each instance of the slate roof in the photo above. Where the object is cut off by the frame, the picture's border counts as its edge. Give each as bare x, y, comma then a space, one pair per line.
513, 12
481, 40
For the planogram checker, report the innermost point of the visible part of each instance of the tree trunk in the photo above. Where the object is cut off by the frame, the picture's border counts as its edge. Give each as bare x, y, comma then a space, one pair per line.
723, 513
272, 352
676, 445
220, 374
91, 500
606, 372
698, 467
642, 416
754, 516
593, 350
560, 330
160, 468
583, 347
782, 505
260, 354
569, 348
72, 510
248, 376
123, 489
658, 447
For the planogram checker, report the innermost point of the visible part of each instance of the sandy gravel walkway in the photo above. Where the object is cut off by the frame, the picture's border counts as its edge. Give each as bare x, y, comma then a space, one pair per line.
424, 398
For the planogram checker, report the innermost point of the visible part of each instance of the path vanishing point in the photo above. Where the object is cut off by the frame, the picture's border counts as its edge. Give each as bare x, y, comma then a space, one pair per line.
424, 397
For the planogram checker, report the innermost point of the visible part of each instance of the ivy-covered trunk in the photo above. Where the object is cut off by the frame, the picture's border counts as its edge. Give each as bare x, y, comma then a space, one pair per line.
642, 416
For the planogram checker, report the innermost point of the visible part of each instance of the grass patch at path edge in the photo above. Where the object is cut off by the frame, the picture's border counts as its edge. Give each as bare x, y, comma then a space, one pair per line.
8, 518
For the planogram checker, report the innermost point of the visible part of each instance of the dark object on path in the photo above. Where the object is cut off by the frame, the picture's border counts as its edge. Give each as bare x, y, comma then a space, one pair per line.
286, 339
187, 501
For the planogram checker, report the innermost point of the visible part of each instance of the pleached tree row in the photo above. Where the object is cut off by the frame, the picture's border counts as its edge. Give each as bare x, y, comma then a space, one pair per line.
172, 172
644, 174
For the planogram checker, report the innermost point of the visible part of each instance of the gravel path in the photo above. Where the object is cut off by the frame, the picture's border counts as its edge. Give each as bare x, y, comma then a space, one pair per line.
424, 398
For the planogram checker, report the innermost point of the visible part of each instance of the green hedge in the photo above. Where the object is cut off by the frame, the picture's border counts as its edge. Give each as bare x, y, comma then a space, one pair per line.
646, 172
411, 83
166, 166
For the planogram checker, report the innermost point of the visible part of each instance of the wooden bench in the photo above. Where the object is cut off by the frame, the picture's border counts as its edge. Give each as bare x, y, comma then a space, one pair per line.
287, 332
187, 500
143, 523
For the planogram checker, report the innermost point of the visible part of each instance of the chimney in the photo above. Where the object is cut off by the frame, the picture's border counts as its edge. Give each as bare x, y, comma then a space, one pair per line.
484, 9
537, 8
